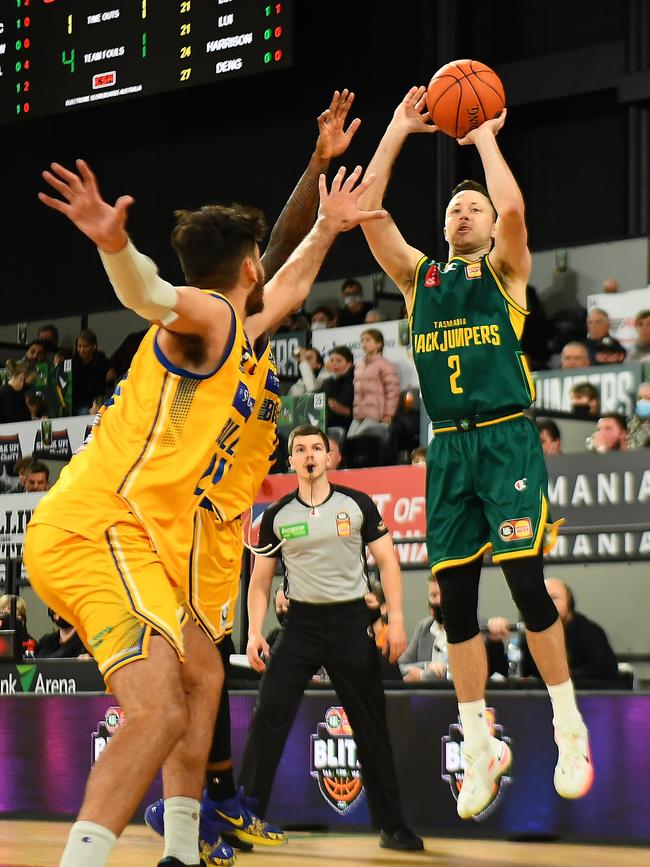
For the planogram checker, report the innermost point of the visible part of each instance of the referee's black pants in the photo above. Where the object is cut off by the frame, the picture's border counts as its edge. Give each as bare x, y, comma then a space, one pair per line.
335, 636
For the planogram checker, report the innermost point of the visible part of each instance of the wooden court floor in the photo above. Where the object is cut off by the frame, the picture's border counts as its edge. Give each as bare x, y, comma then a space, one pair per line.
39, 844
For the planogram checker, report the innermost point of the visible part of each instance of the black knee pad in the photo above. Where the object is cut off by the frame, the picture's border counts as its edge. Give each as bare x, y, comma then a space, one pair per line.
459, 600
525, 577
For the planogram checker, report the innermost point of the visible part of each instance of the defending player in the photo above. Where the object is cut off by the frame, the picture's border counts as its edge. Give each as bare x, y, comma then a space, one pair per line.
486, 478
106, 556
217, 547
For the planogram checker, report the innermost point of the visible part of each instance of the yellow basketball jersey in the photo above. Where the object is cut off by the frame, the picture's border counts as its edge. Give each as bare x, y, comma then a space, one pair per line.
162, 440
236, 492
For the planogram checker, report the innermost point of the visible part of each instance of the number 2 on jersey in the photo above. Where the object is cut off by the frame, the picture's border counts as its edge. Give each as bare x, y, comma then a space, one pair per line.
454, 363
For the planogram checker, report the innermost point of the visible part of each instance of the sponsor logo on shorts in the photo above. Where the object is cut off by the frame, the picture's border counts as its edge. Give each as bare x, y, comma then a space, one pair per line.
96, 640
516, 529
521, 484
334, 762
453, 761
473, 270
343, 524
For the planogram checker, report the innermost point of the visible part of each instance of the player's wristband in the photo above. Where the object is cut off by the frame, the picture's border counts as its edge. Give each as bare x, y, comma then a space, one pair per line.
135, 279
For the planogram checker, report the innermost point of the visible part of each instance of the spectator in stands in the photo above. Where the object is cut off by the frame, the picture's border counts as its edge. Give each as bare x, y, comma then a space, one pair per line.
376, 386
603, 348
425, 658
641, 349
335, 458
62, 643
588, 650
48, 335
340, 388
374, 315
549, 436
120, 360
13, 407
574, 355
610, 286
313, 372
419, 455
323, 317
37, 478
295, 322
37, 406
36, 353
585, 400
638, 433
21, 617
355, 308
20, 470
610, 434
89, 369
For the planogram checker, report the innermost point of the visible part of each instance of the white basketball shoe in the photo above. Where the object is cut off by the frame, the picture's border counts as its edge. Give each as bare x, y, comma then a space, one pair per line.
574, 772
482, 771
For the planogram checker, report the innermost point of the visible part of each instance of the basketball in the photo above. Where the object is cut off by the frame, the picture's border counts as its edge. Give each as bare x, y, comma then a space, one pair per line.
463, 94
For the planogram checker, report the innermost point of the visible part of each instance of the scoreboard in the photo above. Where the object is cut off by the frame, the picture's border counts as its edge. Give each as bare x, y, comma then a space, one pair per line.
59, 55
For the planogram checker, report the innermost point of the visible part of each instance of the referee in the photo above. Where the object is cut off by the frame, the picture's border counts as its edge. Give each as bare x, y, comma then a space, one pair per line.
320, 532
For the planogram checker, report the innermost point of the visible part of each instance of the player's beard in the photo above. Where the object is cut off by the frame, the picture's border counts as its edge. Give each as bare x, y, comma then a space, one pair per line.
255, 299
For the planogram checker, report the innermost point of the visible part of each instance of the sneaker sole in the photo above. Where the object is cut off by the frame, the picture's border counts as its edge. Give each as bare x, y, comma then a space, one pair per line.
254, 840
573, 796
505, 763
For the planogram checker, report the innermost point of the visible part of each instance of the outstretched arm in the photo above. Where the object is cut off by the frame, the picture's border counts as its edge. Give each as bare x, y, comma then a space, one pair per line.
299, 213
510, 256
134, 277
388, 246
339, 212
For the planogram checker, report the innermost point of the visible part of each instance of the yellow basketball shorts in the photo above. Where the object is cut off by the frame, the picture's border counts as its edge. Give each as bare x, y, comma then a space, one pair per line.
213, 575
113, 590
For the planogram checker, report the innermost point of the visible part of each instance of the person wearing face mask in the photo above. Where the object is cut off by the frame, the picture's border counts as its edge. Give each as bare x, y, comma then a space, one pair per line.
313, 372
425, 658
355, 308
323, 317
638, 432
585, 400
62, 643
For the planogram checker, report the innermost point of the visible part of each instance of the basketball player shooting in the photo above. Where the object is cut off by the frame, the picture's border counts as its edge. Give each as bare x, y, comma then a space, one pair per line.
486, 477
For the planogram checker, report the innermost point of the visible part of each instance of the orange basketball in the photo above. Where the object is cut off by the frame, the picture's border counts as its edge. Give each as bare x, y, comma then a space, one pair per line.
463, 94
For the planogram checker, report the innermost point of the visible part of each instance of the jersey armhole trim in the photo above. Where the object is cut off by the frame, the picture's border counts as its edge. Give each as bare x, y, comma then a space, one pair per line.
511, 301
415, 289
180, 371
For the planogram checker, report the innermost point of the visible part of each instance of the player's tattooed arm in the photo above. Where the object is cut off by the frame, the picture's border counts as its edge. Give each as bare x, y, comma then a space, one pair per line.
299, 213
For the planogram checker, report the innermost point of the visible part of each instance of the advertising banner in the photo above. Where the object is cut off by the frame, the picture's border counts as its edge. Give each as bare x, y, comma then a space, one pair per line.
617, 384
284, 345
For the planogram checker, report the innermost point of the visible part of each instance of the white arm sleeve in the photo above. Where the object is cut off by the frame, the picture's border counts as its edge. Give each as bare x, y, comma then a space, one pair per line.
135, 279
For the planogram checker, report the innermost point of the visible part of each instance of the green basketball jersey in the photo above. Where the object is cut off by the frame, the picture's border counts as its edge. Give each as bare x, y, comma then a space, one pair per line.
465, 332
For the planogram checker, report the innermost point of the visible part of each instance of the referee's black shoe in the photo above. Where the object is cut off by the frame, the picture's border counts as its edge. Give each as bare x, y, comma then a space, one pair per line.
170, 861
402, 839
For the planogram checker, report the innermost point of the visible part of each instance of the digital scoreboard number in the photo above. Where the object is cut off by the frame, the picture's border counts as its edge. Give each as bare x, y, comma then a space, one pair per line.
58, 55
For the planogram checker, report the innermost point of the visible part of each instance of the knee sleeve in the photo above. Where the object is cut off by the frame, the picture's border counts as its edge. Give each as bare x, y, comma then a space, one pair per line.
459, 600
525, 577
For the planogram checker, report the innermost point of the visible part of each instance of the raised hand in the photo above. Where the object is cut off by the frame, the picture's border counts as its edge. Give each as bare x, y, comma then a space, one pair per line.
333, 139
340, 206
488, 127
83, 205
412, 115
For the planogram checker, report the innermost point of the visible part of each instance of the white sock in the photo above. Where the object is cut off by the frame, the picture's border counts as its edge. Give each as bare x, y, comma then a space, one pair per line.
473, 719
565, 710
182, 829
89, 845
